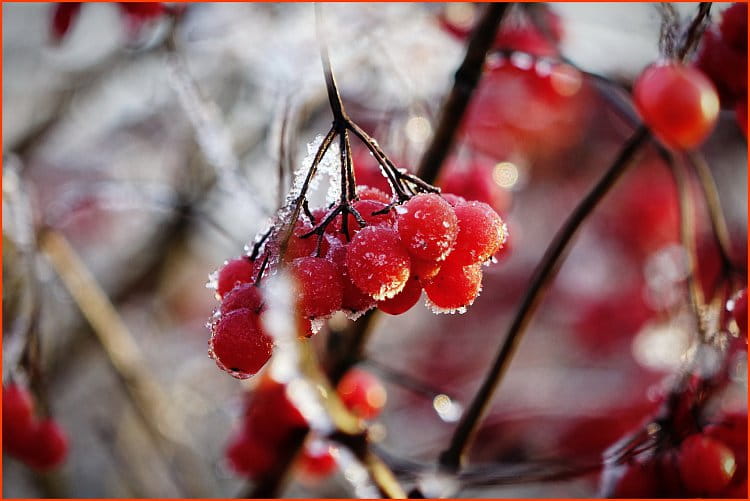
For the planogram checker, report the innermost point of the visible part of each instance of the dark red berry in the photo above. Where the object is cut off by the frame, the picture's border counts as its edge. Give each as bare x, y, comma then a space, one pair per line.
317, 460
404, 300
354, 300
50, 446
238, 343
319, 286
250, 456
427, 226
234, 272
18, 420
64, 14
243, 296
377, 262
706, 465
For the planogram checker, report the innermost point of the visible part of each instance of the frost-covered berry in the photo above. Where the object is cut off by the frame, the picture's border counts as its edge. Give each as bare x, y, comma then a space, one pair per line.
370, 193
243, 296
49, 446
300, 247
454, 287
353, 300
427, 226
481, 233
453, 199
362, 393
377, 262
366, 209
706, 465
318, 286
404, 300
238, 343
234, 272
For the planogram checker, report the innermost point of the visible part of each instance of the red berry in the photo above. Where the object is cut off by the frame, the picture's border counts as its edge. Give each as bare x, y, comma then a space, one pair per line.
377, 262
455, 287
638, 480
739, 311
404, 300
706, 465
679, 103
318, 285
64, 15
354, 300
366, 208
234, 272
18, 419
317, 460
362, 393
473, 182
427, 226
481, 233
243, 296
270, 413
454, 199
301, 247
733, 26
370, 193
50, 446
248, 455
238, 343
423, 270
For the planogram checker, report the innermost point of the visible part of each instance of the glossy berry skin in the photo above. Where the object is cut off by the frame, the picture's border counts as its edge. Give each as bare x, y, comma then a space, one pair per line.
377, 262
679, 103
362, 393
706, 465
454, 287
49, 446
319, 286
739, 311
427, 226
238, 343
481, 233
353, 299
247, 296
404, 300
234, 272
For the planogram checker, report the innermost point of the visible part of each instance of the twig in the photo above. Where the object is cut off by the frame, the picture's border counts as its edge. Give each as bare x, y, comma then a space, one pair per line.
466, 79
450, 459
695, 31
715, 212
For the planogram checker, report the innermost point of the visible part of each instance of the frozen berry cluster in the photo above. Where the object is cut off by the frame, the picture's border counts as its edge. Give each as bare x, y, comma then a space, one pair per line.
383, 255
39, 443
270, 420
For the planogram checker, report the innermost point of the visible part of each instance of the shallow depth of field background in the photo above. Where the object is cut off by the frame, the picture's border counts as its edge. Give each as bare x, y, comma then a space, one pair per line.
155, 187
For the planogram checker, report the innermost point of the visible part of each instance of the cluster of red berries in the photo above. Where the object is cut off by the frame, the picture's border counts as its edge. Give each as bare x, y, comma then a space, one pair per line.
270, 420
709, 463
431, 242
40, 443
723, 58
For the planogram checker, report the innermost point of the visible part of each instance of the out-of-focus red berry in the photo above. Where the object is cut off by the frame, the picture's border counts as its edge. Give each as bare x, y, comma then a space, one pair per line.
362, 393
679, 103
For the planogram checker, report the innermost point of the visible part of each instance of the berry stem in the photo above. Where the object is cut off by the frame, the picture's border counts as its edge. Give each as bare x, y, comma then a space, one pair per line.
695, 31
450, 459
465, 82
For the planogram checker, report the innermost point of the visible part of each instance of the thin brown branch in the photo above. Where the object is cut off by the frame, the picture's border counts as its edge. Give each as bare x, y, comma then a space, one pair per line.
466, 80
694, 31
715, 212
451, 458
